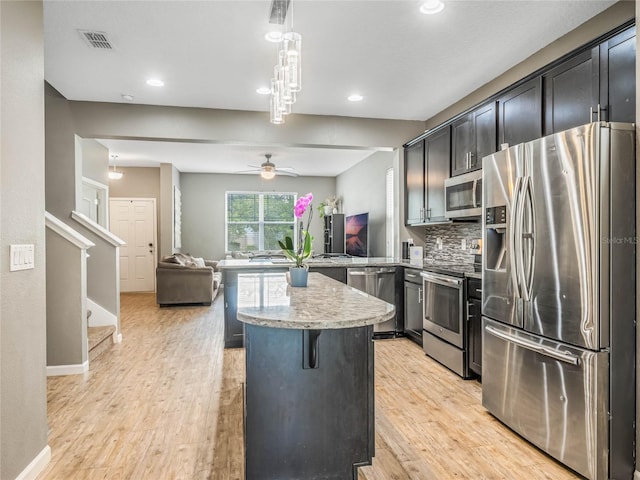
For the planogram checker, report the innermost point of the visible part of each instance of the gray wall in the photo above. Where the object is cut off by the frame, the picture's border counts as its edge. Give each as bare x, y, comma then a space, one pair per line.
95, 161
23, 399
66, 317
362, 189
98, 120
60, 150
136, 182
203, 204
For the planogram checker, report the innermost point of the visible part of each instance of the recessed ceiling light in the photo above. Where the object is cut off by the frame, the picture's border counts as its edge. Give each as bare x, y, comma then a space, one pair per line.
273, 37
356, 97
127, 97
431, 7
155, 82
263, 90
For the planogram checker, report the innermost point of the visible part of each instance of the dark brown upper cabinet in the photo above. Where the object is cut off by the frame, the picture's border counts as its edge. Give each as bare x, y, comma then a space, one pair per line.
473, 137
426, 168
618, 77
520, 113
414, 183
597, 84
572, 91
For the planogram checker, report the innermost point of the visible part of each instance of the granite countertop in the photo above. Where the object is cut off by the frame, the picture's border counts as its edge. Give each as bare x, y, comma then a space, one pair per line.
266, 299
347, 262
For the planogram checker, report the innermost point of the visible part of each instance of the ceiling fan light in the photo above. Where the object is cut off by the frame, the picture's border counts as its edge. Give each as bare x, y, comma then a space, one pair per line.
267, 174
115, 175
431, 7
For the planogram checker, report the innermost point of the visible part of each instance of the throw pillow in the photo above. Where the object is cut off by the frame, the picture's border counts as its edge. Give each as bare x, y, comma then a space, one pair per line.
199, 262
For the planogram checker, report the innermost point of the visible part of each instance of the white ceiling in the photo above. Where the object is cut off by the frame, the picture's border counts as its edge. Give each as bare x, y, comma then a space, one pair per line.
212, 54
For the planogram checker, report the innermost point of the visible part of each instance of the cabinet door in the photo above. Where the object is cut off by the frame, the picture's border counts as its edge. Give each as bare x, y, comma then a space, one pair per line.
571, 92
437, 158
463, 135
485, 141
414, 183
520, 113
413, 310
618, 77
475, 336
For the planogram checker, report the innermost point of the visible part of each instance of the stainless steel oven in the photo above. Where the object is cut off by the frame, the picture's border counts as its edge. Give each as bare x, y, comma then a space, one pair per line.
443, 307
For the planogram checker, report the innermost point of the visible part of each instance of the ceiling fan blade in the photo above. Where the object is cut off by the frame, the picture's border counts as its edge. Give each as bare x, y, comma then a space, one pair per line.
288, 174
248, 171
285, 168
255, 166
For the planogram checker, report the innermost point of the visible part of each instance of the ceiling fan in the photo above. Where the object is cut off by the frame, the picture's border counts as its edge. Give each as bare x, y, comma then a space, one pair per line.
268, 169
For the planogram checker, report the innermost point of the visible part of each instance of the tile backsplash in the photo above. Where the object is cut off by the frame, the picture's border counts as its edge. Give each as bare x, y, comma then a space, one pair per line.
450, 238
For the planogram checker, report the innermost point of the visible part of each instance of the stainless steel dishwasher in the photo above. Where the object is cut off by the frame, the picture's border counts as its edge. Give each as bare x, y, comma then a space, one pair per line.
378, 282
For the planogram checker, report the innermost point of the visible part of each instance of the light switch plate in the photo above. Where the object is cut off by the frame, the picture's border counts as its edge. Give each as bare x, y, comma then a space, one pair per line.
21, 257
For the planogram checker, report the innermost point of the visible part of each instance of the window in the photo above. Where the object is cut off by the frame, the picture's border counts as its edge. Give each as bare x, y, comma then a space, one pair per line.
256, 221
390, 217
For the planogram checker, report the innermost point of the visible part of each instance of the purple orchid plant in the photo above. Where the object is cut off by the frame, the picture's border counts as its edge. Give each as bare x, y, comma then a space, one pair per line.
303, 250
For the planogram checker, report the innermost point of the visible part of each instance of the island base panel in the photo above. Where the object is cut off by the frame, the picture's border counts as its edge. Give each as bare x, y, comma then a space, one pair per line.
303, 422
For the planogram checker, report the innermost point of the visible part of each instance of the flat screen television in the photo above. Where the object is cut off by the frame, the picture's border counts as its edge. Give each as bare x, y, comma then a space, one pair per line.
357, 234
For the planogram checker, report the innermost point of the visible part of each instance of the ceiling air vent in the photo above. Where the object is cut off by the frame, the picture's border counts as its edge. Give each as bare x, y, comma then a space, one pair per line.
96, 39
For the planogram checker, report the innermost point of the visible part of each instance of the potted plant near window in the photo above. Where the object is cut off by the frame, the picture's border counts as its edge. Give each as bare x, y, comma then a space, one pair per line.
328, 206
299, 253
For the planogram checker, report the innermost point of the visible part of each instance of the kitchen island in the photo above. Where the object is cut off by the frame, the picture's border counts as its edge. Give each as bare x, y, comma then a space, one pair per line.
334, 267
309, 399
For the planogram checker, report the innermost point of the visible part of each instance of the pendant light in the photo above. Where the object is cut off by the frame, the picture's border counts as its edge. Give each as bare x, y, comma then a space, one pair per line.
287, 74
114, 174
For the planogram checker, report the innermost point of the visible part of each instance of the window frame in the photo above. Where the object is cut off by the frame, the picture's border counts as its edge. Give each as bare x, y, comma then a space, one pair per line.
261, 222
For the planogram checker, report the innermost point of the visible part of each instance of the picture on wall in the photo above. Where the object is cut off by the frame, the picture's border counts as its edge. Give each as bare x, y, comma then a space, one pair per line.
357, 235
177, 218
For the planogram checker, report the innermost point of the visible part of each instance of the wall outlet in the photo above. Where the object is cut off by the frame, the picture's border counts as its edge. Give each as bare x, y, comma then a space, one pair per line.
439, 243
463, 244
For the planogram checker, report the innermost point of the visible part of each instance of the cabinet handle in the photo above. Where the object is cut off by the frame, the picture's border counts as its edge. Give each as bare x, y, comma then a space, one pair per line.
468, 314
598, 114
591, 114
471, 164
419, 295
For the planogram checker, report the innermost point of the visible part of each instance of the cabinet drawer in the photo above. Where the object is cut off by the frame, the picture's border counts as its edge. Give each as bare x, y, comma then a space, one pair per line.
412, 276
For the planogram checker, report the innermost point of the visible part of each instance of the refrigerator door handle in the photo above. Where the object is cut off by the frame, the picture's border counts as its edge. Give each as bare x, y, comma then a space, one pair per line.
566, 357
525, 273
513, 222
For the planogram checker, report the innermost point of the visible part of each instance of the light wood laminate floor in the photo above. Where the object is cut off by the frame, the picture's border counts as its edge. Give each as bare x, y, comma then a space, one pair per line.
167, 404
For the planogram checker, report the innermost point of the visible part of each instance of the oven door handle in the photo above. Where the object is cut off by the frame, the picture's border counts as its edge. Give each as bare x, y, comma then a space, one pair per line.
441, 279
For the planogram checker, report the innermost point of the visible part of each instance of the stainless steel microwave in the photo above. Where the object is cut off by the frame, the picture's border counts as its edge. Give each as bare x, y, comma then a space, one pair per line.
463, 195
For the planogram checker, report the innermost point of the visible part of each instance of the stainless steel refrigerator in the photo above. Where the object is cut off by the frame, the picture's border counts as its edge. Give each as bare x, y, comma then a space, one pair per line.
558, 300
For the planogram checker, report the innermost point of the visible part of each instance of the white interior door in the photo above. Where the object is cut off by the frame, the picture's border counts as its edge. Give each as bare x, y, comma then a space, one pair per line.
134, 220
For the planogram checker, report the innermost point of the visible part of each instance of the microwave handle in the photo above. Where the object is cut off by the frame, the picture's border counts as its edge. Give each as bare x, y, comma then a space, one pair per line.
475, 188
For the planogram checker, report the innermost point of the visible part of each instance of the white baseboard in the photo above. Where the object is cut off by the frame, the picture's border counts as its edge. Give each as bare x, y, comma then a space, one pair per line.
37, 465
100, 316
56, 370
116, 337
